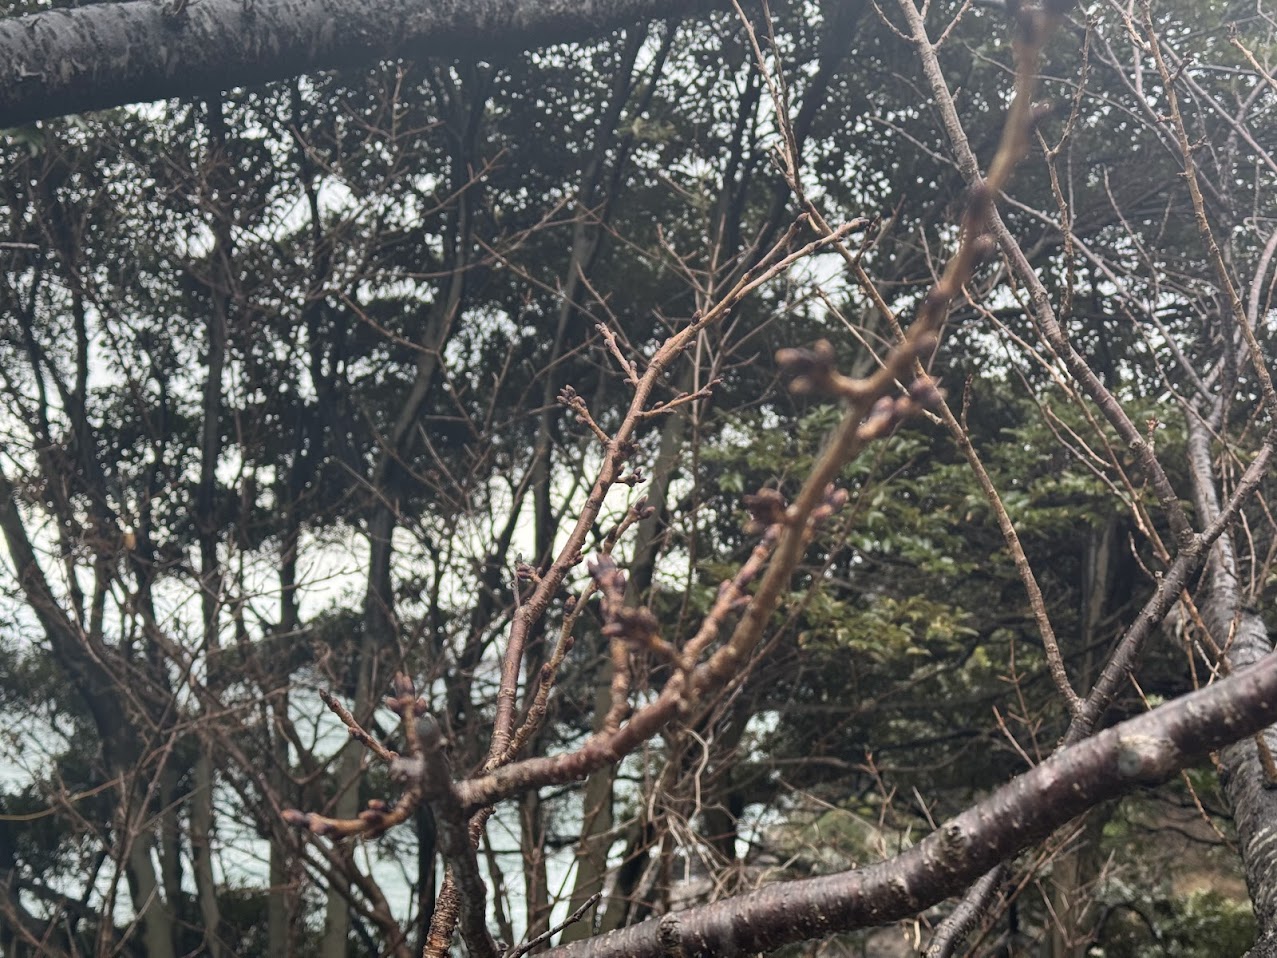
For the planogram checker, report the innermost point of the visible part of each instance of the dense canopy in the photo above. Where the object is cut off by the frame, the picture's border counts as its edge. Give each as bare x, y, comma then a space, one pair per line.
637, 478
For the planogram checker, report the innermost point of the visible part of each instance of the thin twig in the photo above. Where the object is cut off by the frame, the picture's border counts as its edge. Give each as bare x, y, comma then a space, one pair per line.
545, 936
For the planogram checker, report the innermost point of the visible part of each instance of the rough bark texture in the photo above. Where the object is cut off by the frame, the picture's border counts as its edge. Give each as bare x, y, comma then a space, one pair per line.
1249, 792
1265, 947
89, 58
1142, 751
1238, 628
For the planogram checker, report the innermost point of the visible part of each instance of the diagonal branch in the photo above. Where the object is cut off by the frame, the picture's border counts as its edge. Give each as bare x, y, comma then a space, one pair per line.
1141, 752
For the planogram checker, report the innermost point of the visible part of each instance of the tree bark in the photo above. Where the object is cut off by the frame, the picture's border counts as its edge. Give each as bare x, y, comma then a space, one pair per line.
1140, 752
1246, 784
596, 828
1237, 628
217, 323
158, 927
104, 55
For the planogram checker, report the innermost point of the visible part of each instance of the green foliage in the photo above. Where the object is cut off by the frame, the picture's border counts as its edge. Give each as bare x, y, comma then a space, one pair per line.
1203, 925
329, 223
888, 629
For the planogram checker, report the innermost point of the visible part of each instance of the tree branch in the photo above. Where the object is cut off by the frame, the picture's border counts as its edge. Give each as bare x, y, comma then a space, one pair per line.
1141, 752
106, 55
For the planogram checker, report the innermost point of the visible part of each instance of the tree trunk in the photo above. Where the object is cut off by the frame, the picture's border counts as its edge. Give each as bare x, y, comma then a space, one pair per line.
426, 854
144, 888
596, 825
535, 879
1237, 628
1070, 887
207, 521
1247, 785
202, 853
279, 903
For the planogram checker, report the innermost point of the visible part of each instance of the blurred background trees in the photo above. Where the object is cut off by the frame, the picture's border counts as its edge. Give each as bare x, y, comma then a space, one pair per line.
281, 373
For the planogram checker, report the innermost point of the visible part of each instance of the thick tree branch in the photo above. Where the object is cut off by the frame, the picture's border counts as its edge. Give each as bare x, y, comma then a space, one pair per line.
94, 57
1143, 751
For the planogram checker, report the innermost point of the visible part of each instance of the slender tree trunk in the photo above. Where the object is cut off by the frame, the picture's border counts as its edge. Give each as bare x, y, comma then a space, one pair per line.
378, 634
283, 860
279, 905
1075, 869
209, 526
169, 845
1070, 888
634, 862
380, 625
596, 825
426, 885
720, 794
202, 853
1247, 771
535, 879
586, 242
1248, 785
597, 820
156, 914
